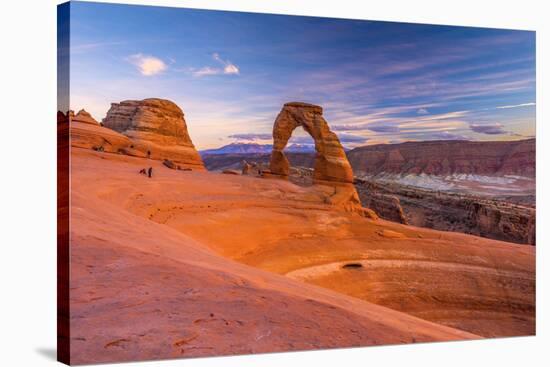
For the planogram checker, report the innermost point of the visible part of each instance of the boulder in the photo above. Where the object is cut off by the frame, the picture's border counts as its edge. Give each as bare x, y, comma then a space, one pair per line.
168, 163
386, 206
157, 128
247, 168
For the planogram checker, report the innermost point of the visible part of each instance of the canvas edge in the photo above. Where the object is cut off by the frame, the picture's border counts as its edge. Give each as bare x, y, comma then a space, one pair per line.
63, 182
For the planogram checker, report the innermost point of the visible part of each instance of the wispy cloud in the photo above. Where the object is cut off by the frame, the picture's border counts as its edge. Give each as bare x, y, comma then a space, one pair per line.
148, 65
349, 138
227, 67
350, 127
383, 128
82, 47
518, 105
491, 129
390, 120
422, 111
207, 70
447, 135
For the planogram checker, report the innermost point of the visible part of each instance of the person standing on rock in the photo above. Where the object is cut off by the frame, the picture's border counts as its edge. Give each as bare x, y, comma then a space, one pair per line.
150, 172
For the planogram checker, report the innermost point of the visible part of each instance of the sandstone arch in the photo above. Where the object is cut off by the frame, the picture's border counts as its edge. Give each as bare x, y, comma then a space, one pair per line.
331, 163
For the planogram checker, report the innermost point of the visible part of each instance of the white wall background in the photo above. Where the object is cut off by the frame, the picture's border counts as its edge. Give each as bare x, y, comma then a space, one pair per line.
28, 179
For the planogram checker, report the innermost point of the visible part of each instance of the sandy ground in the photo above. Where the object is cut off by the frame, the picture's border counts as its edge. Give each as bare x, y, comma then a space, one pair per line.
202, 263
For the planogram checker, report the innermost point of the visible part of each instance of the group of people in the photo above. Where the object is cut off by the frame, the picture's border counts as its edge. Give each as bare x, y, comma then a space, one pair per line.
147, 171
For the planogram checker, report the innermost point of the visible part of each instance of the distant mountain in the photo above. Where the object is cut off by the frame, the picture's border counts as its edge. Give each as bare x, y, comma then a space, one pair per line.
446, 157
218, 162
442, 157
300, 148
253, 148
239, 148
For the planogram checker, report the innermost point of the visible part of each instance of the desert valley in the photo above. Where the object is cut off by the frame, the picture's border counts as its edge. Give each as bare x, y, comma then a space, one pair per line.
181, 253
481, 188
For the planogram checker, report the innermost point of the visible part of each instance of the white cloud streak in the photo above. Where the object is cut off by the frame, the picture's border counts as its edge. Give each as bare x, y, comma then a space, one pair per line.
228, 68
518, 105
207, 70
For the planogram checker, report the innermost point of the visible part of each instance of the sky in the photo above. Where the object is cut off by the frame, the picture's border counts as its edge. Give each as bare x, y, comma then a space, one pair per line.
378, 82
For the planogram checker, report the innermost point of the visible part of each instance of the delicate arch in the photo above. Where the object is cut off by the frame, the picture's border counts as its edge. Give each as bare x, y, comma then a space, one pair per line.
331, 163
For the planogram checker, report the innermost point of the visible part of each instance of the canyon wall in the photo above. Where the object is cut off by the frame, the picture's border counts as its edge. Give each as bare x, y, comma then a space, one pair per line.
491, 158
490, 218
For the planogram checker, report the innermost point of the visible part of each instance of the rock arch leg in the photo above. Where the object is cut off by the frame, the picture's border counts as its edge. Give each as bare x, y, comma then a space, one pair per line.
284, 125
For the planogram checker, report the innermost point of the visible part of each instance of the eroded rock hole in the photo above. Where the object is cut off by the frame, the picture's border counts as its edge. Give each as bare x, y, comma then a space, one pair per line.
300, 153
352, 266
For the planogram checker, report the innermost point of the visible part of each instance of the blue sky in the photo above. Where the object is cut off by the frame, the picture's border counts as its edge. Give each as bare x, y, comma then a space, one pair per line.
378, 82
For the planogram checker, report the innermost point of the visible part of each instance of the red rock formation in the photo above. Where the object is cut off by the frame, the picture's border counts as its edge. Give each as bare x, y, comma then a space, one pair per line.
157, 128
87, 133
386, 206
482, 286
447, 157
331, 167
247, 168
142, 286
331, 163
490, 218
512, 216
84, 117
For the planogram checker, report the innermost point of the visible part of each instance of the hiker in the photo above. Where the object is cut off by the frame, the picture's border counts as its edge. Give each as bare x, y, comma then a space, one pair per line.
148, 154
143, 171
150, 171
